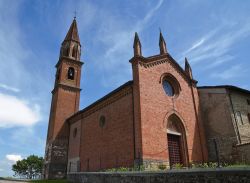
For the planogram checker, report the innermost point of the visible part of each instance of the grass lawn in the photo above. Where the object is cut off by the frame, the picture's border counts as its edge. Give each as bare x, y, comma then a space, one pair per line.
49, 181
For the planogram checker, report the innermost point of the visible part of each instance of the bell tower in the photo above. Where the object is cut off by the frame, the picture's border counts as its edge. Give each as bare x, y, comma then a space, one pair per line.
65, 102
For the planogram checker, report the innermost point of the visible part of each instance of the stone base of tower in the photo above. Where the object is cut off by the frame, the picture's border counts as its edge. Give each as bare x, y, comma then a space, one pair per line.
55, 163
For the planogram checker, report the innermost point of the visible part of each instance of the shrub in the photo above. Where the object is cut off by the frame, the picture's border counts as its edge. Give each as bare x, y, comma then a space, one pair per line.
162, 167
178, 166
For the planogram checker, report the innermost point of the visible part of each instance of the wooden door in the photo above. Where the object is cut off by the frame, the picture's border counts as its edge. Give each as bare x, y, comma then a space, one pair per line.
174, 149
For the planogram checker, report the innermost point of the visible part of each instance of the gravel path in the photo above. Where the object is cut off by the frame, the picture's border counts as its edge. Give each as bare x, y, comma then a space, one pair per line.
10, 181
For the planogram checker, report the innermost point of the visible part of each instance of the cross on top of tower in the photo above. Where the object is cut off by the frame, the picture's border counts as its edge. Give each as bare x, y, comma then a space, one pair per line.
75, 12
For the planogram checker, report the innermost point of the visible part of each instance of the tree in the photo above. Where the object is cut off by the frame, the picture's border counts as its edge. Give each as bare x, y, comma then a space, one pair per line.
29, 168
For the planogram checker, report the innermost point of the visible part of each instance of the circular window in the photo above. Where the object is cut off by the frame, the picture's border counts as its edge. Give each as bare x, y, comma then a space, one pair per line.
168, 88
102, 121
75, 132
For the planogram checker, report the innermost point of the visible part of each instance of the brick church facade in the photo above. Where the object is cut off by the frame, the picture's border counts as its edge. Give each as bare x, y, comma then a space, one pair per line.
154, 119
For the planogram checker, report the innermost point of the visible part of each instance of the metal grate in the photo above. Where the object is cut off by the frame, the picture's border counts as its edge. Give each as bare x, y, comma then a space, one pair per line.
174, 149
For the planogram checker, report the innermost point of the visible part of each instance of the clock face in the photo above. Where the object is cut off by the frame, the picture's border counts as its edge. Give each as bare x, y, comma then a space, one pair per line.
168, 88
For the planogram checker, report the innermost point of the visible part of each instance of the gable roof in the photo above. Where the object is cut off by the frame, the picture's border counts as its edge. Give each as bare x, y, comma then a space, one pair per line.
129, 83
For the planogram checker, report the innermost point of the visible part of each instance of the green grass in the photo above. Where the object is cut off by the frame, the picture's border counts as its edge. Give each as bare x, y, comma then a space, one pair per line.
49, 181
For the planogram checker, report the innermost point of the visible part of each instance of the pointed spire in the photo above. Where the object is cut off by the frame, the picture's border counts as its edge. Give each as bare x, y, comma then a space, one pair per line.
162, 44
72, 34
137, 46
188, 69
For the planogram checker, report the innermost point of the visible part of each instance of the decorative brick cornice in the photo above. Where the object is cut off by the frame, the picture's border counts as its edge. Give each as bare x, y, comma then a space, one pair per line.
66, 87
112, 97
69, 60
152, 61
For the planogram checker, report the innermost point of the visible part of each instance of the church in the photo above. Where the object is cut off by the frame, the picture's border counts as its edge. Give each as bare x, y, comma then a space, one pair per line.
160, 117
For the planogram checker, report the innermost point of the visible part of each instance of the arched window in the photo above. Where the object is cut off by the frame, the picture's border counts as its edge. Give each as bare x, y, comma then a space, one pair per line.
66, 51
74, 53
71, 73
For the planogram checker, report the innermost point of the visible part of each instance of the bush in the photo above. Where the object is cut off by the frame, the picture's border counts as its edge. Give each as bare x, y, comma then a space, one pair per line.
204, 165
119, 169
162, 167
178, 166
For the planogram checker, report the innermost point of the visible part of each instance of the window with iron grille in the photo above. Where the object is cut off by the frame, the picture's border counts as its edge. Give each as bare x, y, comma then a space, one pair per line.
239, 117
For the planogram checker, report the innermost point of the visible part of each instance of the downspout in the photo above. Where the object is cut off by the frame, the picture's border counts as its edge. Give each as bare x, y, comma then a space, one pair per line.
133, 122
197, 119
81, 132
235, 119
67, 123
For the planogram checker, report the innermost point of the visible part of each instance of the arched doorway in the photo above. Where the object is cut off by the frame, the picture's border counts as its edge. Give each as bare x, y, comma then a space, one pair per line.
177, 146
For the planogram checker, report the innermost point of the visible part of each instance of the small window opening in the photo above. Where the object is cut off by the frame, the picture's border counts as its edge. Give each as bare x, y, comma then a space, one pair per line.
66, 51
248, 101
58, 74
75, 132
71, 73
248, 115
102, 121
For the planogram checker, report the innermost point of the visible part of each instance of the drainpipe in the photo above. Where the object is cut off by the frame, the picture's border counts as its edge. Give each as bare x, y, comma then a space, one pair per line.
235, 119
133, 122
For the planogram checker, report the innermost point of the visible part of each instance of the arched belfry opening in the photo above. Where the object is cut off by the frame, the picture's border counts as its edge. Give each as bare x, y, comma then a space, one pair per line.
177, 143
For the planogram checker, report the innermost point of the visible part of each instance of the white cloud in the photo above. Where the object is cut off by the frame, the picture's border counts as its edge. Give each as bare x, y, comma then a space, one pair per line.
1, 170
17, 112
120, 41
220, 60
6, 87
13, 157
196, 45
232, 72
217, 44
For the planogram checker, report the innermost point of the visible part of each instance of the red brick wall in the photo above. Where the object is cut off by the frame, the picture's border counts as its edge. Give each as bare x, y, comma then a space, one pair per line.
74, 141
65, 107
110, 146
156, 105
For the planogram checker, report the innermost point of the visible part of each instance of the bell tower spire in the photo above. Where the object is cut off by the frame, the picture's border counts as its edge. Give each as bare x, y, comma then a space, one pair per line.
65, 102
71, 46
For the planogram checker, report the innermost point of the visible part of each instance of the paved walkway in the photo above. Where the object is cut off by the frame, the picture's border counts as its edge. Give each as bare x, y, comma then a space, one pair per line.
10, 181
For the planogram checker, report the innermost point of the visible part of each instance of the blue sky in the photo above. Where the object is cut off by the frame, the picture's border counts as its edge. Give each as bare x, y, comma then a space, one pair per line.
213, 35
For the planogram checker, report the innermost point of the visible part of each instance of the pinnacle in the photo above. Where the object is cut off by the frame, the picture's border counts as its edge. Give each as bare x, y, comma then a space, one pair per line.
136, 40
161, 38
186, 62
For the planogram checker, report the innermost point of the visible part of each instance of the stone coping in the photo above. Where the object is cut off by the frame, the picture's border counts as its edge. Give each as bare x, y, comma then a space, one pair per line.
194, 170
